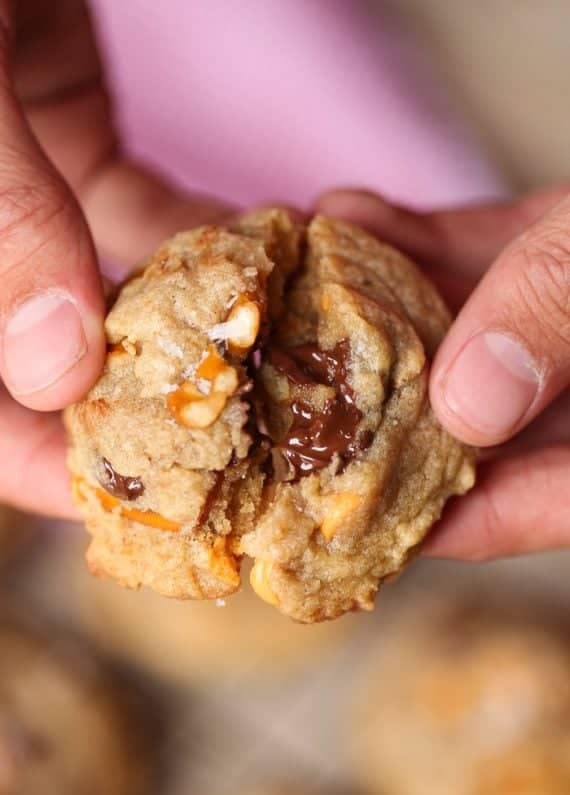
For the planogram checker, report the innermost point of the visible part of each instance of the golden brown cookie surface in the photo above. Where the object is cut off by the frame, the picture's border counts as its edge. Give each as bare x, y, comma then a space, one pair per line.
265, 394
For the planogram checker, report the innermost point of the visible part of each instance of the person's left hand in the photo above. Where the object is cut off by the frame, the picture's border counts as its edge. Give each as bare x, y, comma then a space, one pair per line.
500, 378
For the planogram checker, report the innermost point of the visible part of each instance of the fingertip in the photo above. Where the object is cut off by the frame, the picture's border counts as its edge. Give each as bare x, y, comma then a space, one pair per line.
448, 415
482, 389
53, 349
52, 308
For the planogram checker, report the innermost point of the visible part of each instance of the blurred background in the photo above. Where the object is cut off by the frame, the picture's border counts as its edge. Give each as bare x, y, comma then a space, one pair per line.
103, 690
506, 66
457, 684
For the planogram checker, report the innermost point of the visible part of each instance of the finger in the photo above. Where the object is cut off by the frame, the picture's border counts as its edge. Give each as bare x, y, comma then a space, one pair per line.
51, 304
520, 505
61, 83
131, 210
507, 355
33, 475
552, 426
455, 246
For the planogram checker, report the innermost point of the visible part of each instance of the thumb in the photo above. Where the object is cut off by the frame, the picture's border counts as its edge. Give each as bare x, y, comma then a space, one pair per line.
51, 302
507, 355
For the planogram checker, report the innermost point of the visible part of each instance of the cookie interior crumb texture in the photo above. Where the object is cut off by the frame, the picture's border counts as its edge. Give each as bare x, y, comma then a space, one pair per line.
265, 395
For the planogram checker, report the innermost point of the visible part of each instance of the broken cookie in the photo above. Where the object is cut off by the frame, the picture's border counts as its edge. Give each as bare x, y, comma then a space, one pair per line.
265, 394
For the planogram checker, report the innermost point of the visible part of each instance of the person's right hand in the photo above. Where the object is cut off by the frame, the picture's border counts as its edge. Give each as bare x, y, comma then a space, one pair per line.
64, 188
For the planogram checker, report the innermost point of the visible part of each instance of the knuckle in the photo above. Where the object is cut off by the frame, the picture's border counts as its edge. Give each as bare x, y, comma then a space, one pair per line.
30, 216
36, 203
543, 286
491, 524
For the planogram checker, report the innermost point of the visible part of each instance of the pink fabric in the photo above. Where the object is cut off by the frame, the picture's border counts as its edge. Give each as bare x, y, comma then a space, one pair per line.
265, 100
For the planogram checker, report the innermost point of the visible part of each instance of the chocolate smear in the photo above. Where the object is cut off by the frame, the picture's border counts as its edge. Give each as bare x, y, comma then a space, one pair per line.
316, 435
121, 486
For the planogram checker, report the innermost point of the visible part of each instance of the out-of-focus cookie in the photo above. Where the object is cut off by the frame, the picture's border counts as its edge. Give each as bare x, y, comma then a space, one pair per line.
466, 700
8, 535
275, 789
265, 394
197, 642
15, 533
65, 725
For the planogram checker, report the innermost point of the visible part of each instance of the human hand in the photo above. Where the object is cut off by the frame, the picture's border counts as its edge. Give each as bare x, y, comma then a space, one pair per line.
63, 187
500, 378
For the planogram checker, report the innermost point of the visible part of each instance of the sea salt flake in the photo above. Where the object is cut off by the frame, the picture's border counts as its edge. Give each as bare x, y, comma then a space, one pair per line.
222, 331
169, 347
204, 385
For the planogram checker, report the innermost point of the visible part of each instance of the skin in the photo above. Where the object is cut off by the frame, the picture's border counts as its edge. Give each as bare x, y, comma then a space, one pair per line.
65, 188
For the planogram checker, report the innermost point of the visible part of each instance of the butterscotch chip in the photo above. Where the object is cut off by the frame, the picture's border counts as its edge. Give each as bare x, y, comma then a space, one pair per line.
242, 326
259, 578
273, 393
195, 410
478, 696
339, 509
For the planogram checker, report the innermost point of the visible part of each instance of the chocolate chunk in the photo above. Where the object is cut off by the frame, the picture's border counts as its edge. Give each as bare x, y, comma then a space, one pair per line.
316, 435
121, 486
307, 364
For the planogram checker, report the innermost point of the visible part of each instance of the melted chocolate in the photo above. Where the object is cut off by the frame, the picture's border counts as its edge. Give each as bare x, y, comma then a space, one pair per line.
316, 435
121, 486
307, 365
